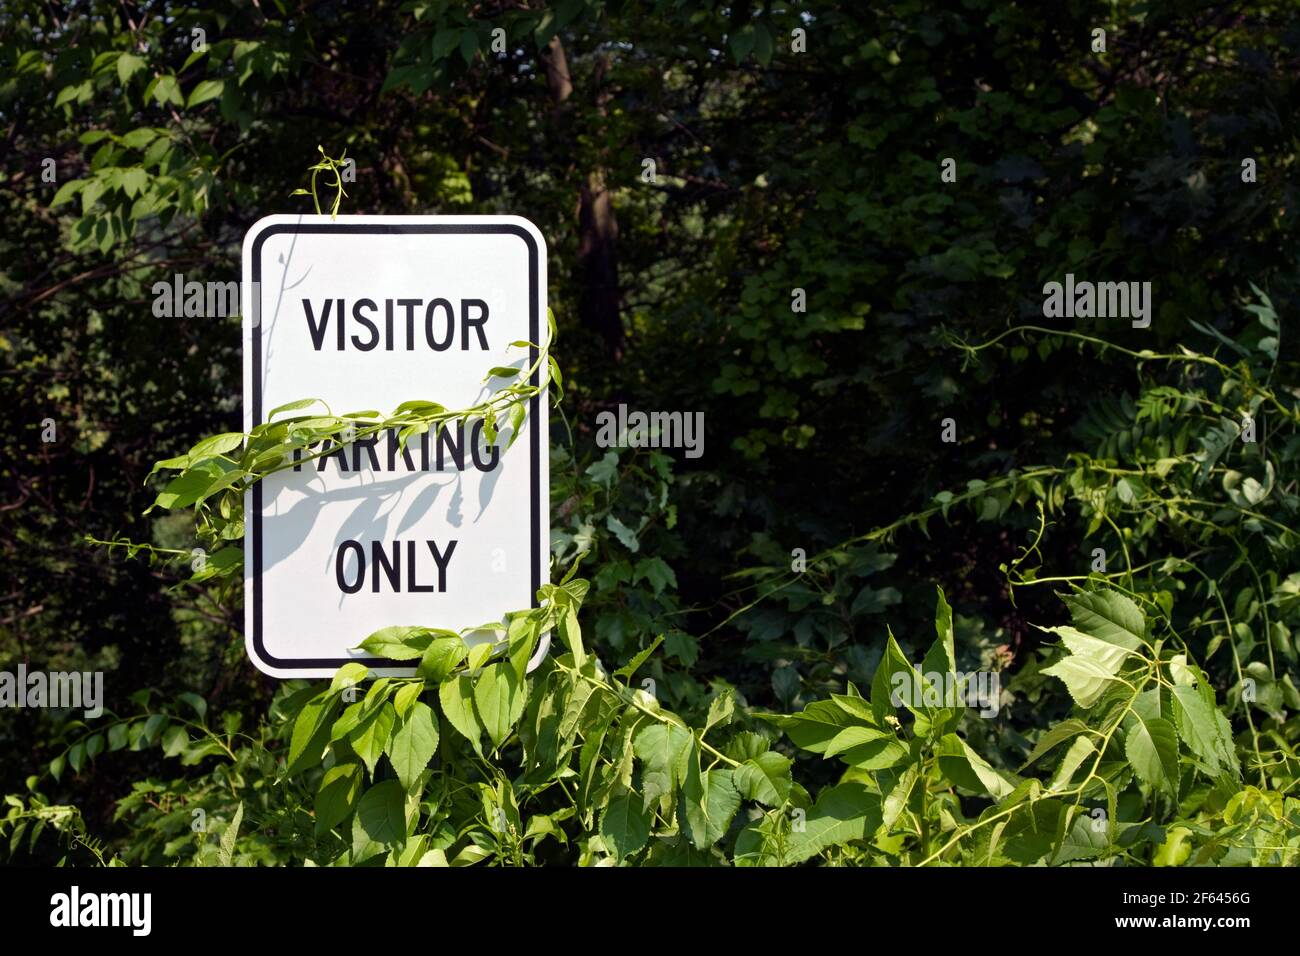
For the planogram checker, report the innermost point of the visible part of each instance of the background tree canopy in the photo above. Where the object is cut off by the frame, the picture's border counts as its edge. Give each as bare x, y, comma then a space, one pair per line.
797, 152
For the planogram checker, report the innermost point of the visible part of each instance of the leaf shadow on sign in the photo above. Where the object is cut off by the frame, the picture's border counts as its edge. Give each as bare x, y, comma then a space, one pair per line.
377, 503
377, 509
486, 488
424, 501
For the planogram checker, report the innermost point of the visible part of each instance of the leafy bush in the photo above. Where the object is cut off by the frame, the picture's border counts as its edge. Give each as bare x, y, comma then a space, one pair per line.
477, 760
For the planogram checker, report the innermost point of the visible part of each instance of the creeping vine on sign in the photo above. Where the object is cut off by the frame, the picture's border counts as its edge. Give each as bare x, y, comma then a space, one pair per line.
330, 164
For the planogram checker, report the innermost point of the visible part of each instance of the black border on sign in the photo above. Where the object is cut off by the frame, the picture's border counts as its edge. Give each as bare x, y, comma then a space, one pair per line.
535, 443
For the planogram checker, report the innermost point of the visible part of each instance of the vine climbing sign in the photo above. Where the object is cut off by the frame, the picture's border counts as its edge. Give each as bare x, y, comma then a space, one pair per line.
402, 512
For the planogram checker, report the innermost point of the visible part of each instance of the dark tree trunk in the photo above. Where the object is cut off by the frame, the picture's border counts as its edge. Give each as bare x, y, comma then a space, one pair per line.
598, 307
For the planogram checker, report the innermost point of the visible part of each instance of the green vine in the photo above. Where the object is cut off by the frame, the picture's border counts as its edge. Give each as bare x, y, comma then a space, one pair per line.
327, 164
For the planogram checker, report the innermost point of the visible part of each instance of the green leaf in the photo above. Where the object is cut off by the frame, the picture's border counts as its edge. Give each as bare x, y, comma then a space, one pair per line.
444, 41
627, 670
625, 825
311, 732
1080, 750
1058, 734
851, 737
853, 705
128, 64
203, 91
479, 655
158, 151
185, 489
117, 737
517, 415
468, 45
625, 535
349, 675
721, 709
1226, 747
174, 740
337, 796
152, 728
964, 767
406, 698
1085, 680
499, 697
1152, 750
168, 90
1108, 616
1089, 668
894, 667
293, 406
94, 188
67, 191
876, 754
815, 726
414, 744
381, 814
457, 698
1034, 830
140, 137
657, 572
742, 42
896, 802
230, 835
214, 446
70, 93
1081, 841
605, 471
709, 800
398, 643
102, 61
1176, 848
1199, 727
942, 656
371, 735
765, 779
195, 702
571, 632
841, 814
441, 657
874, 600
664, 750
1107, 654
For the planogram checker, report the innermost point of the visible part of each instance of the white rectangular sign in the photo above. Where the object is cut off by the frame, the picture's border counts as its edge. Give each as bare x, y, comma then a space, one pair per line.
364, 313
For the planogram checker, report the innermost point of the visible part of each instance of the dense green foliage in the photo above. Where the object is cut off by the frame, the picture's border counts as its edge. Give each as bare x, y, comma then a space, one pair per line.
758, 589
